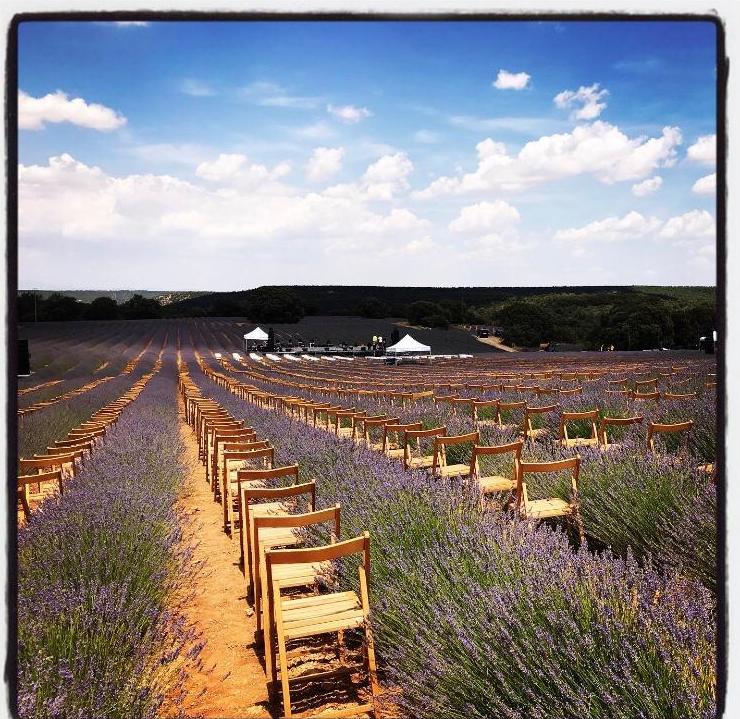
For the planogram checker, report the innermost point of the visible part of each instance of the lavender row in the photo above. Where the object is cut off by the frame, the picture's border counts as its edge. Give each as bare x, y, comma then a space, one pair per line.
477, 615
97, 572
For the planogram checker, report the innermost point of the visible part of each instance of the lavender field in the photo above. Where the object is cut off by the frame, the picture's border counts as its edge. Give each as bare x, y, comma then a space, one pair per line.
477, 609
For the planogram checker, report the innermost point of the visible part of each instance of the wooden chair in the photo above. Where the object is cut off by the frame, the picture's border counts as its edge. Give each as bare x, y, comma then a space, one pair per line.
590, 416
494, 484
64, 462
440, 466
251, 486
273, 531
347, 415
676, 397
414, 456
552, 506
25, 481
319, 614
503, 409
480, 407
393, 438
615, 422
264, 456
645, 396
371, 425
528, 430
647, 386
656, 428
358, 425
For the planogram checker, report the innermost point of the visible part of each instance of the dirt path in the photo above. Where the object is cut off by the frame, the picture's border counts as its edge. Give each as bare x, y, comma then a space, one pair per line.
230, 682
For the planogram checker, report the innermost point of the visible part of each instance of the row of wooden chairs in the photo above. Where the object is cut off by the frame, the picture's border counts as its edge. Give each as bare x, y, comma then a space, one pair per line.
64, 457
274, 511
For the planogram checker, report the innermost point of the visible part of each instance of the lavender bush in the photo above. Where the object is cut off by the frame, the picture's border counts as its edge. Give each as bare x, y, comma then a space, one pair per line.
97, 569
477, 615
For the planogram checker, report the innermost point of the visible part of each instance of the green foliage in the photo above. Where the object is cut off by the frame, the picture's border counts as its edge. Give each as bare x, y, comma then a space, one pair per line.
274, 304
373, 308
141, 308
102, 308
427, 314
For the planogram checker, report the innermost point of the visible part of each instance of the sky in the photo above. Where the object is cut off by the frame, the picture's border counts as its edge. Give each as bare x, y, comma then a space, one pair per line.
228, 155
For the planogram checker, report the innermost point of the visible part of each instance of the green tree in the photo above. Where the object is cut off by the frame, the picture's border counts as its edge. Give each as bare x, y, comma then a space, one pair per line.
140, 308
102, 308
525, 324
274, 304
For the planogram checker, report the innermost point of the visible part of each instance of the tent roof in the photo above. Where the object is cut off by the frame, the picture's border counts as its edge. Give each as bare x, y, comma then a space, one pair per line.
408, 344
256, 334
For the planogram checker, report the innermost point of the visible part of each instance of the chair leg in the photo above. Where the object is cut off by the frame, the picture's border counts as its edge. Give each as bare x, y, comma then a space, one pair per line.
287, 712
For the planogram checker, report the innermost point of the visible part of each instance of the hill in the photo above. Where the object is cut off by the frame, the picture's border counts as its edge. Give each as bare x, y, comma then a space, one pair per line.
164, 297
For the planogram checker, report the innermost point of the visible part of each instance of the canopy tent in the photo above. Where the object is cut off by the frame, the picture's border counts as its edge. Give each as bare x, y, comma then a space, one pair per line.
408, 345
257, 337
257, 334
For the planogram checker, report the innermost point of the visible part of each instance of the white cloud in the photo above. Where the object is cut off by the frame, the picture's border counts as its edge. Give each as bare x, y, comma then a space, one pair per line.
706, 185
427, 137
693, 232
522, 125
586, 101
236, 169
324, 162
691, 225
132, 23
704, 150
270, 94
388, 176
485, 217
647, 187
348, 113
35, 112
196, 88
69, 201
314, 131
600, 149
511, 80
612, 229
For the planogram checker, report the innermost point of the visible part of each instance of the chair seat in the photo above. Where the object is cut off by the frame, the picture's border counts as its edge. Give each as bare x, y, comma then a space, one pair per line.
541, 432
543, 508
265, 509
278, 537
581, 442
394, 453
487, 422
344, 432
374, 445
420, 462
298, 575
496, 484
454, 470
309, 616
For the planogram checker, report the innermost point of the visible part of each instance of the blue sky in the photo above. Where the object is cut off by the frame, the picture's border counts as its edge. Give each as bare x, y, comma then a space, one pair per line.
223, 155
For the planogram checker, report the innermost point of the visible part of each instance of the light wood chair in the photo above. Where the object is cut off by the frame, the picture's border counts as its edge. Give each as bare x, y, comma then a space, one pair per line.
591, 417
495, 483
319, 614
656, 428
26, 481
414, 456
393, 438
503, 410
263, 458
553, 506
481, 407
528, 430
440, 465
605, 422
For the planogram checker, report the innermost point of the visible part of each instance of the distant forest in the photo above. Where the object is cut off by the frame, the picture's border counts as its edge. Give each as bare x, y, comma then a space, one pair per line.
630, 318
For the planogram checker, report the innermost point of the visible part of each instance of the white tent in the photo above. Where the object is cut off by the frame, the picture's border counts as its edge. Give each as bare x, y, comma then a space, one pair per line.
257, 337
257, 334
408, 345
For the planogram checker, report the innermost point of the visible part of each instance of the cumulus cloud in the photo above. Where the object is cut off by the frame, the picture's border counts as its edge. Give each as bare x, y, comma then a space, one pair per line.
324, 162
694, 231
706, 185
691, 225
236, 169
704, 150
56, 107
485, 217
388, 176
348, 113
600, 149
132, 23
67, 199
647, 187
511, 80
586, 101
611, 229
